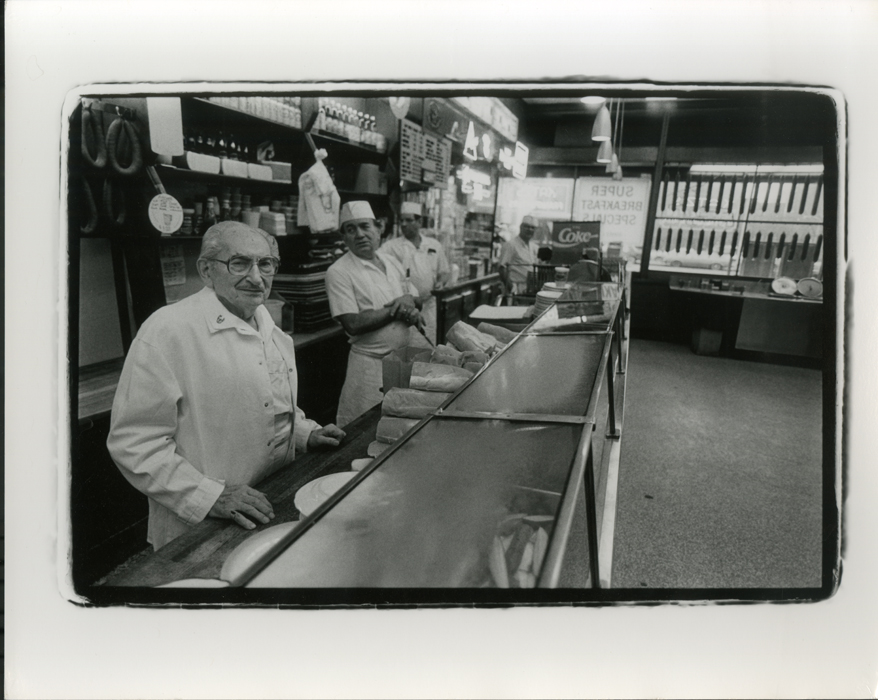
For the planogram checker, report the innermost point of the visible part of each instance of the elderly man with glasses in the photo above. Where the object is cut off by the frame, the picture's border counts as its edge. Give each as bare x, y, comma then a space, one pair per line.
206, 404
517, 257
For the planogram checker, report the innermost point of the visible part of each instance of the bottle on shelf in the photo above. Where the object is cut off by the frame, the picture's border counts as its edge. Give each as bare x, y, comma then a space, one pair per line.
210, 212
233, 148
198, 220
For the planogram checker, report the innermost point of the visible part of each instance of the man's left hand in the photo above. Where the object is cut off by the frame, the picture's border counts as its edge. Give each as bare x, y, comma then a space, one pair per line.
328, 436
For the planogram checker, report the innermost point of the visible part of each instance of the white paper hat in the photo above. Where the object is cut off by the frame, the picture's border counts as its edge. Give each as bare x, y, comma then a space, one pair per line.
411, 208
355, 210
529, 220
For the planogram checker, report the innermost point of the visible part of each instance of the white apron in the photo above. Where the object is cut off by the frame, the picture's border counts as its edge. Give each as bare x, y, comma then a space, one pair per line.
362, 387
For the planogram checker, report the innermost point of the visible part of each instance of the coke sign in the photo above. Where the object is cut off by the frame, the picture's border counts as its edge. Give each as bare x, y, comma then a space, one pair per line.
570, 238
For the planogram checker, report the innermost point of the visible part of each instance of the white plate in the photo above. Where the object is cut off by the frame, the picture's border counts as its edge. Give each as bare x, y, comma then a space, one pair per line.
196, 583
783, 285
314, 493
252, 549
810, 287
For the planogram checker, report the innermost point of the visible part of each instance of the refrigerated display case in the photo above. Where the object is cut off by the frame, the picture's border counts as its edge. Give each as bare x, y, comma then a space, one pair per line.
504, 458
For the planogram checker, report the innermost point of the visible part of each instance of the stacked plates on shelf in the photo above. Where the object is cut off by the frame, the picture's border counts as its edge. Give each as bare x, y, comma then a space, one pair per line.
545, 299
307, 293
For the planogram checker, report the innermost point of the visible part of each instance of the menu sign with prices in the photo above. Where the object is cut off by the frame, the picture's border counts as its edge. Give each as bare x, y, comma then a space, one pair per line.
436, 161
410, 151
424, 158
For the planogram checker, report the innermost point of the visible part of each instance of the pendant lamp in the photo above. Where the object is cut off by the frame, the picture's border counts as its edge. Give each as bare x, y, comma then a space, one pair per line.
613, 165
601, 131
620, 129
605, 152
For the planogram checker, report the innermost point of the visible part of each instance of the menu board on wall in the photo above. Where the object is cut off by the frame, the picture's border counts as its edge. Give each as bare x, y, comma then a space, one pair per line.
423, 157
410, 154
437, 160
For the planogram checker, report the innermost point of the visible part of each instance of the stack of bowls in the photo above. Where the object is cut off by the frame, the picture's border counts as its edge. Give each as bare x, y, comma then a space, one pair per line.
545, 299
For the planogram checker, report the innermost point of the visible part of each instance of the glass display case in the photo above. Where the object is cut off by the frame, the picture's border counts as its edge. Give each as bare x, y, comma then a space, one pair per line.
482, 492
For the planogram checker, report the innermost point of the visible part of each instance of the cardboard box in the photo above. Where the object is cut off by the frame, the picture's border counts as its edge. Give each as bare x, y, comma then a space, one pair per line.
397, 368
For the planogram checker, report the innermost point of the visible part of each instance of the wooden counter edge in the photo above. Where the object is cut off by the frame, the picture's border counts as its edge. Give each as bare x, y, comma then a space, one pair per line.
201, 552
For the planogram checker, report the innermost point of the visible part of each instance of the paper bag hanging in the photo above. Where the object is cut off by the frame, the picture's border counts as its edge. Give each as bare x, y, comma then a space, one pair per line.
318, 199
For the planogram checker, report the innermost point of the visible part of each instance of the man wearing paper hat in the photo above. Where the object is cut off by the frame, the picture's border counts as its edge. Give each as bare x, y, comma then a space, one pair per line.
518, 257
423, 260
375, 304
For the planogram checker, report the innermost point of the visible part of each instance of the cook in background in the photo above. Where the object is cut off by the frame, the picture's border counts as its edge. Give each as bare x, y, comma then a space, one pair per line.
423, 260
371, 298
517, 257
206, 404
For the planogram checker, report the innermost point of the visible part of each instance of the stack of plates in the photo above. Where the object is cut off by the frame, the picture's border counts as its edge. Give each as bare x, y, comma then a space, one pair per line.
556, 286
544, 300
307, 293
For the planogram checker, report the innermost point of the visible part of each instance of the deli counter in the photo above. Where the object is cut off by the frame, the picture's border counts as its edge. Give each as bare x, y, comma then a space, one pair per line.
504, 465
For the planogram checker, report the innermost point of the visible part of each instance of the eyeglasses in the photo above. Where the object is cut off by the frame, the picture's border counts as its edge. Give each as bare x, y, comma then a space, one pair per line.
241, 265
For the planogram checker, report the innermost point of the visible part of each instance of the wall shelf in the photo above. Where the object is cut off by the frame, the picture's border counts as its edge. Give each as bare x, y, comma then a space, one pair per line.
182, 173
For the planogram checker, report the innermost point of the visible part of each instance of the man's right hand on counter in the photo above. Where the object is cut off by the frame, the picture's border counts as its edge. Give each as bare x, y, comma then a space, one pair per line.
243, 505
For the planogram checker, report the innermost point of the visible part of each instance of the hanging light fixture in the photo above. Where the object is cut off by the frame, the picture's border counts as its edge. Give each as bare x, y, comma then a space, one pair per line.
601, 130
613, 165
593, 100
605, 152
617, 175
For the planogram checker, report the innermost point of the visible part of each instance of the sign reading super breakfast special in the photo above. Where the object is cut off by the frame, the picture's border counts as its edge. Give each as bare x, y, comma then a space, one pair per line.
620, 205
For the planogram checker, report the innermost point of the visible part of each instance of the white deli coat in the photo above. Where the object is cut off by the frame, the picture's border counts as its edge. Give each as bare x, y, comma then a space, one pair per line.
194, 409
423, 266
355, 285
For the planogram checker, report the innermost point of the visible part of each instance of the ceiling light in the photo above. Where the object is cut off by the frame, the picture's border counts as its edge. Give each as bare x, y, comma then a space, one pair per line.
660, 99
593, 100
601, 130
751, 168
613, 165
605, 153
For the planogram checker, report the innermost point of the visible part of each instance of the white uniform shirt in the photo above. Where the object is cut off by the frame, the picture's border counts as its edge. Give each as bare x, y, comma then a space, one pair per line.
196, 408
355, 285
424, 263
519, 257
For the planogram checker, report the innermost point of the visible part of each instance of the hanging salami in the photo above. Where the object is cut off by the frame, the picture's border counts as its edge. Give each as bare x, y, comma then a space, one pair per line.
117, 148
93, 139
91, 209
114, 202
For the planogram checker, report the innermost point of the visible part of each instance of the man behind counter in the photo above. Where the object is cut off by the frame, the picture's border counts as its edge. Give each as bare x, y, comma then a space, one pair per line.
206, 404
423, 260
517, 257
371, 298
